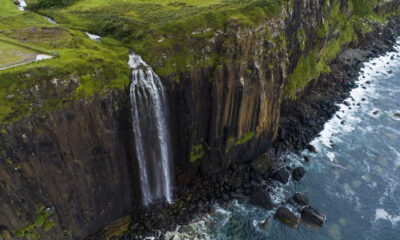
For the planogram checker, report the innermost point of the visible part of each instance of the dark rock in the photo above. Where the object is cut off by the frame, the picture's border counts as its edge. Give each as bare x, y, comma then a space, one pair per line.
247, 185
238, 190
238, 196
148, 226
312, 217
265, 224
286, 217
300, 199
282, 134
281, 175
311, 148
311, 123
261, 198
306, 158
225, 197
254, 183
2, 228
298, 173
214, 179
134, 226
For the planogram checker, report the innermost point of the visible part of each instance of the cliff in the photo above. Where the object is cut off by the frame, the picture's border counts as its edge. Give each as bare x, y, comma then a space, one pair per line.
68, 166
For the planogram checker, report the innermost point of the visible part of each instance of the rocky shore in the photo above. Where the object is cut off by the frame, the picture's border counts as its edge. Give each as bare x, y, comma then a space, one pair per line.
301, 121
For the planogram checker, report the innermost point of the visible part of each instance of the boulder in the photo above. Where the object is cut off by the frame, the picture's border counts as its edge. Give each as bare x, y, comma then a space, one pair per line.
300, 199
261, 198
312, 217
265, 224
286, 217
311, 148
238, 196
281, 175
298, 173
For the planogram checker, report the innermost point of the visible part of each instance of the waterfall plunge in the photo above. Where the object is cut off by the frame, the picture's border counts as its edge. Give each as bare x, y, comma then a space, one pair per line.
150, 129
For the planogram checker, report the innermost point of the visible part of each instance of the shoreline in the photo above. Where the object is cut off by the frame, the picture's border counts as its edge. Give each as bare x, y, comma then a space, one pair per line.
301, 121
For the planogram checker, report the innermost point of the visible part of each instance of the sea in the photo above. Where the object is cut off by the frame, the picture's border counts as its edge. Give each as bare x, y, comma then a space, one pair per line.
354, 178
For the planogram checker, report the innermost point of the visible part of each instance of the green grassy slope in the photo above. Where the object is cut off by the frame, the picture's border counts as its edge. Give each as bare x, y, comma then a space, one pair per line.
169, 35
94, 67
124, 25
163, 29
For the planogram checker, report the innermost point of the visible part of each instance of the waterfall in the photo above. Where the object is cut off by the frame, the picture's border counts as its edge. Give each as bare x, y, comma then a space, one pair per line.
150, 128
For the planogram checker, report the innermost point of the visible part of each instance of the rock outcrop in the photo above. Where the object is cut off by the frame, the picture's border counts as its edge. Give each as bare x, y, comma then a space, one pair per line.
76, 161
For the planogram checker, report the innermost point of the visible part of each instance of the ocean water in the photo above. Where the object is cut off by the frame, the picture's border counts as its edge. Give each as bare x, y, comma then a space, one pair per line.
354, 178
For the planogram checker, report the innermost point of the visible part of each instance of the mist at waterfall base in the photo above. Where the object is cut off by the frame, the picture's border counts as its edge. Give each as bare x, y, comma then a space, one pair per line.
354, 178
150, 129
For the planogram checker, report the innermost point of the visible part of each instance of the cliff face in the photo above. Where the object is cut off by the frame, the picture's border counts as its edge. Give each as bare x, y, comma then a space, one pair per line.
74, 162
76, 166
230, 112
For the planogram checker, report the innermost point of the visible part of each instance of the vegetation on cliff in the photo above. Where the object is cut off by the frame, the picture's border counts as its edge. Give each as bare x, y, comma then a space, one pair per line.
79, 67
171, 36
338, 29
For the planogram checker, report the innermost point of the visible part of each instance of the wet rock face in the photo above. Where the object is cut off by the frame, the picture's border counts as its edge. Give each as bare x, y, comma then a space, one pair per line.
261, 197
281, 175
231, 109
298, 173
75, 160
286, 217
300, 199
312, 217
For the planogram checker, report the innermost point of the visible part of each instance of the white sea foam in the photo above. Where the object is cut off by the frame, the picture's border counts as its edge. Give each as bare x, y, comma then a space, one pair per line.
347, 119
278, 195
332, 133
331, 156
195, 231
382, 214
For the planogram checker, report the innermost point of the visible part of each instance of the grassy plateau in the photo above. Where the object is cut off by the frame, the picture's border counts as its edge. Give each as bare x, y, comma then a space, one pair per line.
170, 35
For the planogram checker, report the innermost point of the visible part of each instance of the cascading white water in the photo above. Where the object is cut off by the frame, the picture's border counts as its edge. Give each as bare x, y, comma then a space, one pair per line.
150, 129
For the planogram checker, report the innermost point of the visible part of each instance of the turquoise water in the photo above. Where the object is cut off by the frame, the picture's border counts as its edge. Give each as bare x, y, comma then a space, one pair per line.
354, 178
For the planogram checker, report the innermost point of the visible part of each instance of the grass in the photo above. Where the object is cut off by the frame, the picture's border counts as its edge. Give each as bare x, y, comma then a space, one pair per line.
246, 138
8, 8
170, 35
42, 222
80, 67
11, 54
316, 61
163, 29
198, 152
